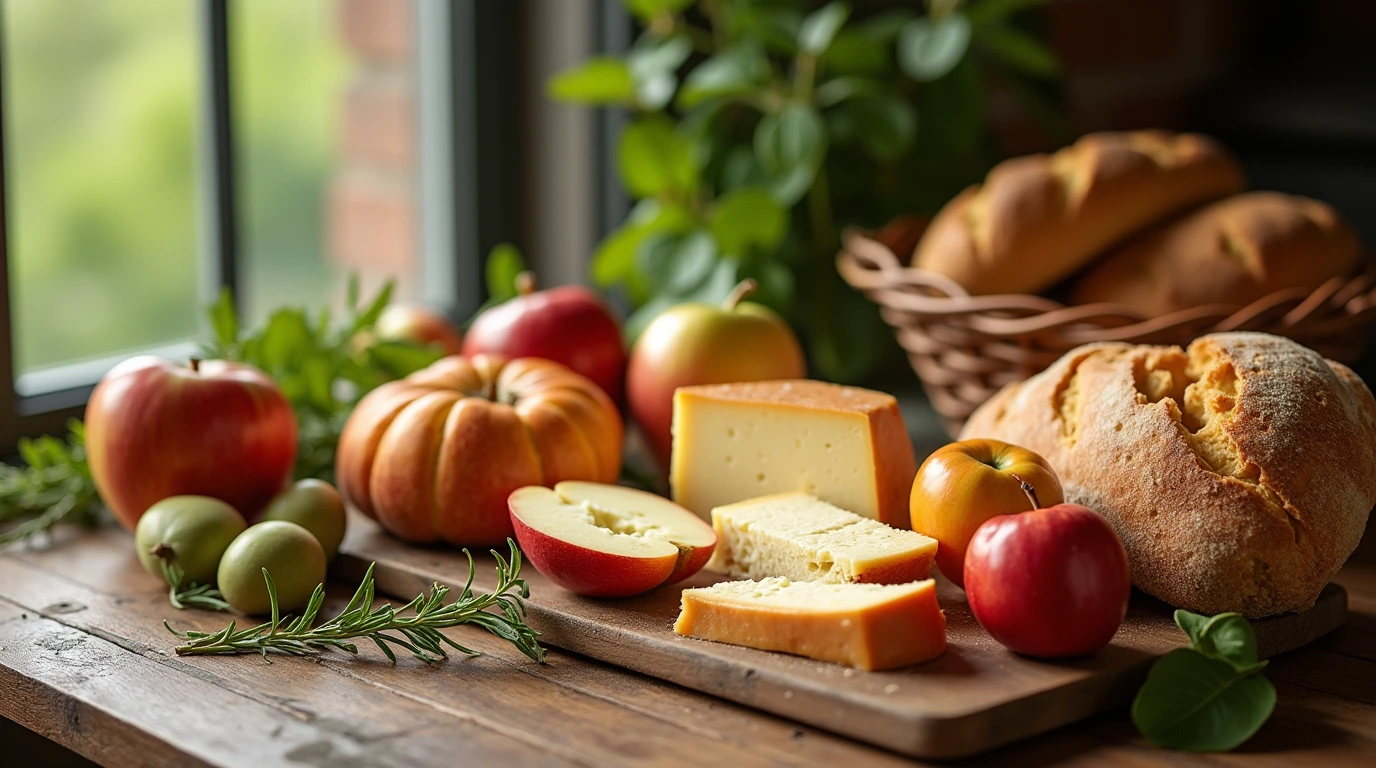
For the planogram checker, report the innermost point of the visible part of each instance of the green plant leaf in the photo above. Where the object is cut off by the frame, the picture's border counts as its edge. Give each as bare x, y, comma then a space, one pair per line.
1194, 703
732, 72
654, 63
777, 28
776, 285
676, 264
838, 89
928, 49
885, 27
996, 11
1019, 50
790, 146
887, 125
1192, 624
648, 9
820, 27
614, 261
653, 159
600, 80
401, 358
224, 320
747, 218
504, 263
1230, 638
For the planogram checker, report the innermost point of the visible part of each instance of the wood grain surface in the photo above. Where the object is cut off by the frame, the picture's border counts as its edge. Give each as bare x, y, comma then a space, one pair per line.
977, 696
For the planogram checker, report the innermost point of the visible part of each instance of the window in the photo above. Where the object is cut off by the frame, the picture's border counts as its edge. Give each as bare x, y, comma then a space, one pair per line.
153, 151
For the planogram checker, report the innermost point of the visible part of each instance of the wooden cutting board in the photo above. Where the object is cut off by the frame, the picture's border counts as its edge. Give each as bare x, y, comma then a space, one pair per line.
977, 696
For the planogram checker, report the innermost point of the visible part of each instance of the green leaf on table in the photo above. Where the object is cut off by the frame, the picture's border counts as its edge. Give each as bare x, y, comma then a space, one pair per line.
887, 125
1192, 624
1019, 50
648, 9
1229, 637
653, 159
675, 264
599, 80
1195, 703
733, 72
928, 49
820, 27
224, 320
746, 218
504, 263
790, 146
996, 11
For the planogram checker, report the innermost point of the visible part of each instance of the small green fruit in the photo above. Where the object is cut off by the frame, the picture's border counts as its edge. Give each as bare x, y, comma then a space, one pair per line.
289, 552
191, 532
316, 506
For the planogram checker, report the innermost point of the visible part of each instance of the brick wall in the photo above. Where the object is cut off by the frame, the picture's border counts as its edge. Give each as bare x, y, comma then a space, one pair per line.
371, 211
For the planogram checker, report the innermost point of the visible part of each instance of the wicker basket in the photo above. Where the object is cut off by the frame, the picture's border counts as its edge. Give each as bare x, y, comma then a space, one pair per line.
965, 348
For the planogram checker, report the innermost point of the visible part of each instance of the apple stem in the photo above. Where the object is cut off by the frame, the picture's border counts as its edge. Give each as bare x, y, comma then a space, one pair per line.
525, 283
195, 364
162, 551
743, 288
1029, 490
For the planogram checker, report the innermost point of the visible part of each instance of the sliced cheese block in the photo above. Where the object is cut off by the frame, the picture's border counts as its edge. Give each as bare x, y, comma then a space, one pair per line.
870, 626
803, 538
847, 446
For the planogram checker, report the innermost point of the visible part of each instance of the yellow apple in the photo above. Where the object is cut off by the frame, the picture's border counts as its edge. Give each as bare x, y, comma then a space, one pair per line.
963, 484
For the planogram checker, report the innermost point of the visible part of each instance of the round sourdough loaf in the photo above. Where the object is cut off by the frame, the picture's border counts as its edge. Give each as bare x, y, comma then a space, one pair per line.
1239, 473
1038, 218
1249, 245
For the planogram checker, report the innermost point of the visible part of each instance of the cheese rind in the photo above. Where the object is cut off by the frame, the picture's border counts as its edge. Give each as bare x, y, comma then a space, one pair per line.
845, 445
803, 538
869, 626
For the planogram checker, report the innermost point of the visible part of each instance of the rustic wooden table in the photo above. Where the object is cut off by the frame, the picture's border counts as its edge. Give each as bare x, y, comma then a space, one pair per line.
86, 663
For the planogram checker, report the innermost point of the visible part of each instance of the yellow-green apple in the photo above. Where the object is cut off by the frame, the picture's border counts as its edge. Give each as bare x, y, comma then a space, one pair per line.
1050, 583
608, 541
698, 343
419, 325
568, 325
156, 429
963, 484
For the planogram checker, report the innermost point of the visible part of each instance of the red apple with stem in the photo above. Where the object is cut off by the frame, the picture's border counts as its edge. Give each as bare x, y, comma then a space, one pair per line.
697, 343
1050, 583
568, 325
155, 429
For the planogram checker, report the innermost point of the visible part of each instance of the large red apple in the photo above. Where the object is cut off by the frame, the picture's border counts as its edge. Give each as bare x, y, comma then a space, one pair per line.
568, 325
704, 344
419, 325
156, 429
1050, 583
963, 484
608, 541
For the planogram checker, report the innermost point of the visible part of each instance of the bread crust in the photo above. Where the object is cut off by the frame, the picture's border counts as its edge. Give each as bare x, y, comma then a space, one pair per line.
1249, 245
1239, 473
1036, 219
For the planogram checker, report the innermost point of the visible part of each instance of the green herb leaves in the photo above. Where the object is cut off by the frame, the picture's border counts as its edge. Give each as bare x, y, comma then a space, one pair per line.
1211, 696
54, 488
419, 633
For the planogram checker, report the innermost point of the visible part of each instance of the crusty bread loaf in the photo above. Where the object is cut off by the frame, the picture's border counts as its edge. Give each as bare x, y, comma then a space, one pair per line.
1038, 218
1239, 473
1247, 245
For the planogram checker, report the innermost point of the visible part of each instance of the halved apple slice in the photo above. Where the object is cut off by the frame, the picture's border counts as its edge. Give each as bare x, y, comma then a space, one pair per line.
607, 540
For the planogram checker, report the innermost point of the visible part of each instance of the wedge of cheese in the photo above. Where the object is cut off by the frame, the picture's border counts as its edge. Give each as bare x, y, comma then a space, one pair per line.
803, 538
844, 445
870, 626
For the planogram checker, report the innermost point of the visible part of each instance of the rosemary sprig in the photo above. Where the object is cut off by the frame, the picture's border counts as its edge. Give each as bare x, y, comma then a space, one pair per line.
192, 595
54, 488
419, 632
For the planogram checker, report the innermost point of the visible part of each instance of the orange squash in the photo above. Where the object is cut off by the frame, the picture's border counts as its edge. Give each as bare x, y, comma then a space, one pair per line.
434, 456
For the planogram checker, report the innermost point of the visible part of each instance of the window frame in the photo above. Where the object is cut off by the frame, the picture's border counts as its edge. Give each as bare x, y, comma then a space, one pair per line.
456, 223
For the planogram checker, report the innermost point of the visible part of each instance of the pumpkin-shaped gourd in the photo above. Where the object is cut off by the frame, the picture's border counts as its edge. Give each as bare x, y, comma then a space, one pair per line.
434, 456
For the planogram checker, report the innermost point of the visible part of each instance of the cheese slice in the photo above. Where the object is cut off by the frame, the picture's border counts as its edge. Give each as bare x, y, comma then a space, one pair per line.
806, 539
845, 445
870, 626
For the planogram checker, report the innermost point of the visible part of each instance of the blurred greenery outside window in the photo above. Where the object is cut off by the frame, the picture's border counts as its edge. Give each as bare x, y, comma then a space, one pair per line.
102, 103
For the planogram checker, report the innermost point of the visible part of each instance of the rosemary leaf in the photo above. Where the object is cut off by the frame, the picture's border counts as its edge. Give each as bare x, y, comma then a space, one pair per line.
418, 633
191, 595
54, 488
